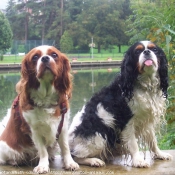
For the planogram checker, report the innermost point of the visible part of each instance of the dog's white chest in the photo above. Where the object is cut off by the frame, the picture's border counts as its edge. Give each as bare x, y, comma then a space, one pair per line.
147, 105
43, 124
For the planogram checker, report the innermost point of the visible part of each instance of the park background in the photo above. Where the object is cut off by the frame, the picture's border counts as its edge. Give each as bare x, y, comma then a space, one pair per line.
104, 28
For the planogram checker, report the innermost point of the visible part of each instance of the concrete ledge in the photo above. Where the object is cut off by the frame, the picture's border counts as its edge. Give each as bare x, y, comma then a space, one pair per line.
158, 167
95, 64
73, 65
10, 66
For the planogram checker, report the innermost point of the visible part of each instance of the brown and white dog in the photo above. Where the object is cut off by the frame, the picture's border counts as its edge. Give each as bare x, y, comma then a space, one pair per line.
38, 118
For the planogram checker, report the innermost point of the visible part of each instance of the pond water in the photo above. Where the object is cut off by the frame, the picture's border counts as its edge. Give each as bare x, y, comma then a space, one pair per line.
85, 83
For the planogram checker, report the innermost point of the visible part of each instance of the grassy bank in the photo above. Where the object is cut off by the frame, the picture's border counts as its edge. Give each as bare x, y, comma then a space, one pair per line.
104, 55
79, 57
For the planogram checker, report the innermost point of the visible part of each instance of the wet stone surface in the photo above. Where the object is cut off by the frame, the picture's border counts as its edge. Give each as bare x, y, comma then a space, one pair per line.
119, 167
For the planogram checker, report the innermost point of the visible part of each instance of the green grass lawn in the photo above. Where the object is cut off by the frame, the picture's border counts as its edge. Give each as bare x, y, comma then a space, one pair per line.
103, 56
78, 57
11, 59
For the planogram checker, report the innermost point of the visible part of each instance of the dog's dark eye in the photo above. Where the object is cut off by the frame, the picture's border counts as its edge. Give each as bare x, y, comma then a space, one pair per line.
35, 58
54, 55
138, 51
154, 49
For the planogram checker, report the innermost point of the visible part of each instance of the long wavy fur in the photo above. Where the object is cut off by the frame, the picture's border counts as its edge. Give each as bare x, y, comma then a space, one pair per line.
129, 72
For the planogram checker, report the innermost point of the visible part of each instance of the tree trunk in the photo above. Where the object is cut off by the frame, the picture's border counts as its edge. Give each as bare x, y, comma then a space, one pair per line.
43, 27
26, 26
99, 48
61, 22
119, 48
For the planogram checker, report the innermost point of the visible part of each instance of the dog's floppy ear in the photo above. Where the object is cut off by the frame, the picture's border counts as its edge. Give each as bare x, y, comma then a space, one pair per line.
129, 73
163, 72
64, 82
22, 83
28, 73
24, 68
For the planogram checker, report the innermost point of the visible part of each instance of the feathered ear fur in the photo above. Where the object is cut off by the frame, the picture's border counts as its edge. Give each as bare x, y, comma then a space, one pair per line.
129, 73
21, 85
28, 73
64, 82
163, 72
28, 79
22, 81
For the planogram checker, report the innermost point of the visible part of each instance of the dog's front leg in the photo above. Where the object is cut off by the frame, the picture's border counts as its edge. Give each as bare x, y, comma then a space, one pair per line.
158, 154
130, 144
69, 163
43, 166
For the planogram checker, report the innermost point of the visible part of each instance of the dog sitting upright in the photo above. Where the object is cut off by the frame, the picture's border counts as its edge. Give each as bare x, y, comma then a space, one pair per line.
40, 112
129, 110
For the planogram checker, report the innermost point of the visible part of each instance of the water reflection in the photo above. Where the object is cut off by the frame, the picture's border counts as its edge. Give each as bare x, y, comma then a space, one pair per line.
7, 91
85, 83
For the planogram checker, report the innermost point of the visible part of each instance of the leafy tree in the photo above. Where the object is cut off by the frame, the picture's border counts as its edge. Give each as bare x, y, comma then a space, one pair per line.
48, 19
103, 20
66, 42
23, 17
11, 14
156, 23
74, 7
18, 16
5, 33
57, 21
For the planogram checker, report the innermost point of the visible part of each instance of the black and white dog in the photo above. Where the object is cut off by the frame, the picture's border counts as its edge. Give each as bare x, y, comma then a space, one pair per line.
125, 114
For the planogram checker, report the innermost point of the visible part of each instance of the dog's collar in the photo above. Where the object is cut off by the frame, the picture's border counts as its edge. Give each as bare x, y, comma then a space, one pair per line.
63, 109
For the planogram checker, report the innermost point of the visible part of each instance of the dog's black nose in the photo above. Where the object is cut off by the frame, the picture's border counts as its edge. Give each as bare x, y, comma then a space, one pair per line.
146, 52
45, 59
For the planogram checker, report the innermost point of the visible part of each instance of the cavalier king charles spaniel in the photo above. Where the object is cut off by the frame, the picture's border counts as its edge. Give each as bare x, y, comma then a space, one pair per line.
39, 115
124, 116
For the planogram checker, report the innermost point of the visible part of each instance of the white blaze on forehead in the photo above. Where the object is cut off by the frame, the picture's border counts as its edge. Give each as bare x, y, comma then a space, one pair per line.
43, 49
145, 43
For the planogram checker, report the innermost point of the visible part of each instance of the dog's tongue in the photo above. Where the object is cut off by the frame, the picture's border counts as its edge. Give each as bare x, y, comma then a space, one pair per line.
148, 62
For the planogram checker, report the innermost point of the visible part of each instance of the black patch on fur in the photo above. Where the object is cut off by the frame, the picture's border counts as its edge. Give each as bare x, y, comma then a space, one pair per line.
113, 102
115, 98
163, 71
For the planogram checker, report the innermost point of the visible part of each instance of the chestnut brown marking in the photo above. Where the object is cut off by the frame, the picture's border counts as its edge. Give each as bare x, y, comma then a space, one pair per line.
18, 137
139, 47
151, 45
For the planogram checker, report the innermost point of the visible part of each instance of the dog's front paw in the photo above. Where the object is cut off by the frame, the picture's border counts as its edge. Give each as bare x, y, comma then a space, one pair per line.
140, 163
163, 156
71, 165
41, 169
96, 162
